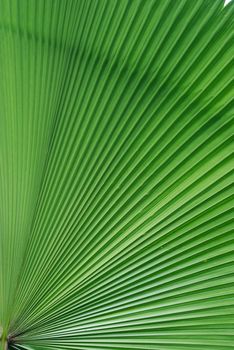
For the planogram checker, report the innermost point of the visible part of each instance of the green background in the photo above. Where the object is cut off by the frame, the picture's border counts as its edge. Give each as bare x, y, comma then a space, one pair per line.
116, 222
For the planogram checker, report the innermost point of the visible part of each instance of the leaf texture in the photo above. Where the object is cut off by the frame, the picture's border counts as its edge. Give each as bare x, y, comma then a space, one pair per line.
116, 175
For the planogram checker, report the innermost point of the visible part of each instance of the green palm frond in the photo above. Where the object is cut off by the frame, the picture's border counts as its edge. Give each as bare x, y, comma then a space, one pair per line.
116, 175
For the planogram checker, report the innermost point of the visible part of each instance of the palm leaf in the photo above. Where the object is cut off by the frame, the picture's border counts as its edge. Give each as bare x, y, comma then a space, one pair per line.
116, 222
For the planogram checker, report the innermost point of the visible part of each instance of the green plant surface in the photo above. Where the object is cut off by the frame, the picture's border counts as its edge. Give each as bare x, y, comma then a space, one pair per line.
116, 175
